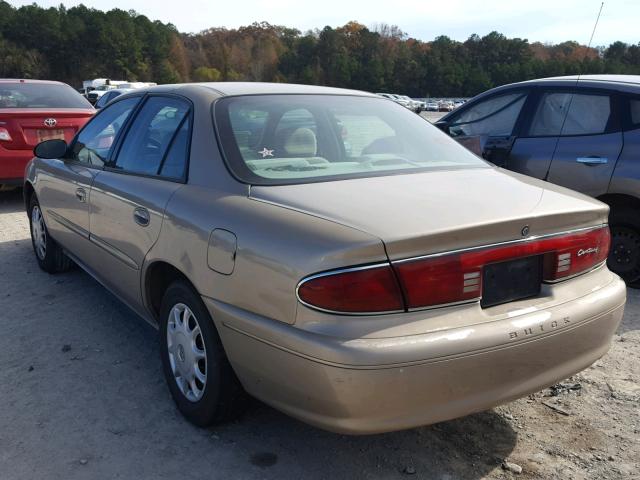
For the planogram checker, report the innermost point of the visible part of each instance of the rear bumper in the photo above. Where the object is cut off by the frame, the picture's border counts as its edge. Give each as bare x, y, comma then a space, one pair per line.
337, 384
12, 164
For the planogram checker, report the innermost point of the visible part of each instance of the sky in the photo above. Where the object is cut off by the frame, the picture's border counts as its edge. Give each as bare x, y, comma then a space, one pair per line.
547, 21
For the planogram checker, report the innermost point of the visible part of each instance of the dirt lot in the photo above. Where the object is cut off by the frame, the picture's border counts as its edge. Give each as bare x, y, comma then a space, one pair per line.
83, 397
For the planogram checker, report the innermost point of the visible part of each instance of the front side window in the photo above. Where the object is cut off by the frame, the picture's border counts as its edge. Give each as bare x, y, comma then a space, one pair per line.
567, 114
93, 144
144, 149
493, 117
274, 139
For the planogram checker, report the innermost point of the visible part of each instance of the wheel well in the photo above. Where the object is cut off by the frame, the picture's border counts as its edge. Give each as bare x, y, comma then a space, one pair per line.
27, 193
618, 201
158, 278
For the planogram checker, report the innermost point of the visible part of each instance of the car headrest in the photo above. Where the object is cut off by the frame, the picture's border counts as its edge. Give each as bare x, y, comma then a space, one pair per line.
302, 143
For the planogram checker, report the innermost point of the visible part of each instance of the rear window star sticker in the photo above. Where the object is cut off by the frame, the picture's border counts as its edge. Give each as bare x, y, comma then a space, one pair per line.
265, 152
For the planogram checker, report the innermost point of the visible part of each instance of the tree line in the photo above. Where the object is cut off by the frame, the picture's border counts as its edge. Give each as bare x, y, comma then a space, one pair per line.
79, 43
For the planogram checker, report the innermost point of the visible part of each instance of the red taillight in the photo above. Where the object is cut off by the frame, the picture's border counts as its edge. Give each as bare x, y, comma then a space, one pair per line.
360, 290
448, 278
4, 135
457, 277
576, 253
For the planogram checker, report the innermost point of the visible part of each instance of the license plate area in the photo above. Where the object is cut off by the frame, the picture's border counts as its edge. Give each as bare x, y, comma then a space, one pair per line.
50, 134
512, 280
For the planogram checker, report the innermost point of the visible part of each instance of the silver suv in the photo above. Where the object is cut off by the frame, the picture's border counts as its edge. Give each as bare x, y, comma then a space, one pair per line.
582, 134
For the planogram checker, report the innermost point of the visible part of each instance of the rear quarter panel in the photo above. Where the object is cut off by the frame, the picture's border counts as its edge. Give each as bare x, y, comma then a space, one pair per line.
276, 248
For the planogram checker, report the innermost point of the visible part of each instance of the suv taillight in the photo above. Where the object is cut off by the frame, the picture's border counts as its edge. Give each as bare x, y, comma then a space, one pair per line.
448, 278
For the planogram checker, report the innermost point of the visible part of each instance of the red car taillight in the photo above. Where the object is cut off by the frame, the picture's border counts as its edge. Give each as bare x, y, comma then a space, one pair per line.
4, 135
360, 290
447, 278
576, 253
457, 277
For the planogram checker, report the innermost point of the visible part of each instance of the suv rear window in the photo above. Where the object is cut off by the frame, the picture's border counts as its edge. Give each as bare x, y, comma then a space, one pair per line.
276, 139
40, 95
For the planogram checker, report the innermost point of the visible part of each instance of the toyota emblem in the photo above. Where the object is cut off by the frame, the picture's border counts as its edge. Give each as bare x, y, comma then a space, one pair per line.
50, 122
525, 231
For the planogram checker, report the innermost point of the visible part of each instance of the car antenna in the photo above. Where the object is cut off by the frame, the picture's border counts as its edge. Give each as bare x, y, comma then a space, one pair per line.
566, 114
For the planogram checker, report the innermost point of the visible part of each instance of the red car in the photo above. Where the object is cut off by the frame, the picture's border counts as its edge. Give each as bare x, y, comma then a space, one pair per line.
32, 111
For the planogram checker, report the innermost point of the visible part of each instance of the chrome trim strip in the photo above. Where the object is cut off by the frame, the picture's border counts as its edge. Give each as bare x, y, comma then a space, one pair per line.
499, 244
68, 224
338, 271
552, 282
123, 257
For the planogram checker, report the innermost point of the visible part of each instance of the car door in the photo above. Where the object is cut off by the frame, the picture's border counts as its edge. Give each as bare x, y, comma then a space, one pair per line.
129, 196
64, 185
589, 143
489, 126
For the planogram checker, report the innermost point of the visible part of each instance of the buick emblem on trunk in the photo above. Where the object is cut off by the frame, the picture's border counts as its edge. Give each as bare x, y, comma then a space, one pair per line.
525, 231
50, 122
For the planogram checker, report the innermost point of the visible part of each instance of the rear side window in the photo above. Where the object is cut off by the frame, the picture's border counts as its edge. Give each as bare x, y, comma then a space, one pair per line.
155, 129
93, 144
568, 114
493, 117
40, 95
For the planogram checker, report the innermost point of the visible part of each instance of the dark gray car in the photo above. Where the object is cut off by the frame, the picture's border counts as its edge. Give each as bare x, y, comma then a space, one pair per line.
582, 134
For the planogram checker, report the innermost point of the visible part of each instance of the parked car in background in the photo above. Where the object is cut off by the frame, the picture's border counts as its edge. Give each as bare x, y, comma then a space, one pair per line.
110, 95
399, 282
94, 95
445, 106
98, 83
431, 106
458, 103
32, 111
395, 98
413, 105
584, 135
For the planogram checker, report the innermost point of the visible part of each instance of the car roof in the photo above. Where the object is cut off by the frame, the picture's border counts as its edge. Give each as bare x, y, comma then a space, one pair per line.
625, 79
226, 89
28, 80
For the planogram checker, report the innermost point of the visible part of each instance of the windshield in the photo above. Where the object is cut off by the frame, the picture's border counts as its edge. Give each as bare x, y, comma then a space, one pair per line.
40, 95
276, 139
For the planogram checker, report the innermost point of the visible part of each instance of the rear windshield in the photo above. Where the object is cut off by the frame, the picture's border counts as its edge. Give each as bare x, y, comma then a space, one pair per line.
40, 95
279, 139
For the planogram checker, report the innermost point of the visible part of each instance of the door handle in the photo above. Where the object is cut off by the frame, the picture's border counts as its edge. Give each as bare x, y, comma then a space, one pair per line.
592, 160
141, 216
81, 195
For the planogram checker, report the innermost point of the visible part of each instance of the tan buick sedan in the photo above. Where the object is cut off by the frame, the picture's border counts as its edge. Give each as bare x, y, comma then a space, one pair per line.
327, 251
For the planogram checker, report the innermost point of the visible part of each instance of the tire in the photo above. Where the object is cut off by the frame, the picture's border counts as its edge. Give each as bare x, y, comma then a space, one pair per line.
49, 255
624, 256
219, 397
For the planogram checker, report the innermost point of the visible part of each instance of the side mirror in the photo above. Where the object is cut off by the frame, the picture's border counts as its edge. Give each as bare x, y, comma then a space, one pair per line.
51, 149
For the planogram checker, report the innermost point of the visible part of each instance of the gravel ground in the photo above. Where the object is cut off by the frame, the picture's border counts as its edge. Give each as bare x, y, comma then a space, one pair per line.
84, 398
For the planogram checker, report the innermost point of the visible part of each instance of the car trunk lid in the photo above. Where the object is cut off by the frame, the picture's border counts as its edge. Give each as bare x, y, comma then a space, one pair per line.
29, 126
439, 211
